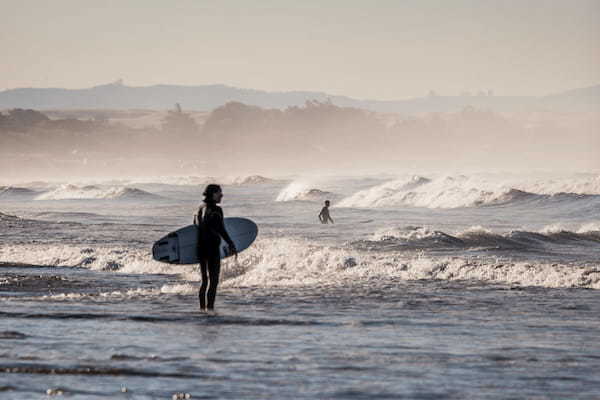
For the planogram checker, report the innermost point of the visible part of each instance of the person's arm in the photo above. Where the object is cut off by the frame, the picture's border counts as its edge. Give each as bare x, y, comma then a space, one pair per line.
223, 232
331, 219
220, 229
321, 216
198, 216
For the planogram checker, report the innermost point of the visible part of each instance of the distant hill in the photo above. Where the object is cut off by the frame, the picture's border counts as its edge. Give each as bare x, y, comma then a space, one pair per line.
207, 97
579, 99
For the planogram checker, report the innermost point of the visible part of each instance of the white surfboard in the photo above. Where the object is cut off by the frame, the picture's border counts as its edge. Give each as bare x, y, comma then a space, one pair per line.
181, 246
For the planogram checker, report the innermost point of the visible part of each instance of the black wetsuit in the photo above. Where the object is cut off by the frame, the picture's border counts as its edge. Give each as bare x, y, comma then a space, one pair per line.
212, 229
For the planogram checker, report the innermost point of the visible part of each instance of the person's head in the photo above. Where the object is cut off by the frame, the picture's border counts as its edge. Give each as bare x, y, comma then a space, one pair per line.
327, 203
213, 193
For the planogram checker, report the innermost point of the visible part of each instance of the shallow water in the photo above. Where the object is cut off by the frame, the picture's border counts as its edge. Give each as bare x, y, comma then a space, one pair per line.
493, 300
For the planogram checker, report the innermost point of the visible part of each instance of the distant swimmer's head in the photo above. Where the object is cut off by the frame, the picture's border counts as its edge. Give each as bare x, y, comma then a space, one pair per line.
213, 193
327, 203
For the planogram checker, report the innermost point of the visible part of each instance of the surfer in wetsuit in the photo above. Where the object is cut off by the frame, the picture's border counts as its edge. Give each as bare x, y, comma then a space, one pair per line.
324, 216
210, 224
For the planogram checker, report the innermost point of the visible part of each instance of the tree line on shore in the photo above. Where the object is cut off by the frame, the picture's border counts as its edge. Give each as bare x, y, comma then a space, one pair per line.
315, 134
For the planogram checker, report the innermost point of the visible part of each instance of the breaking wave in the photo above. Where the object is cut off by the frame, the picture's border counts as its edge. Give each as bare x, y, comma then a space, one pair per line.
176, 180
586, 184
418, 238
288, 262
274, 262
12, 192
8, 217
122, 259
302, 191
72, 192
252, 180
463, 191
66, 216
204, 180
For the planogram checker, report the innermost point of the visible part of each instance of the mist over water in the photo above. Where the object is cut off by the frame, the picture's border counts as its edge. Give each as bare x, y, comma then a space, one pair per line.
317, 138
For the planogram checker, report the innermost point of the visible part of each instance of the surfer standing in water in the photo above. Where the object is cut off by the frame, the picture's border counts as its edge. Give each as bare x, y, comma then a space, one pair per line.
210, 223
324, 216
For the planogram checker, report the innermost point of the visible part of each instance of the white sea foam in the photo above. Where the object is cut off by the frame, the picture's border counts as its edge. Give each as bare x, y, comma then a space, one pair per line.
417, 191
478, 237
115, 294
589, 227
556, 227
288, 262
273, 262
419, 233
463, 191
121, 259
589, 184
476, 229
408, 233
184, 288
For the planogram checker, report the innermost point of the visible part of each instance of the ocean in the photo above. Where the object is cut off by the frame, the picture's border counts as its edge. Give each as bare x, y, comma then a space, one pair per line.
428, 286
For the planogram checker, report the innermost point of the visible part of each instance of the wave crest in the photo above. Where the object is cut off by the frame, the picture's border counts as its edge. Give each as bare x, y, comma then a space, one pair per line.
303, 191
13, 192
455, 192
73, 192
418, 238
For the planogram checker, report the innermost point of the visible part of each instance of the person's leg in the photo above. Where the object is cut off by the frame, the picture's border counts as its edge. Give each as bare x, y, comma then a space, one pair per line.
214, 269
204, 285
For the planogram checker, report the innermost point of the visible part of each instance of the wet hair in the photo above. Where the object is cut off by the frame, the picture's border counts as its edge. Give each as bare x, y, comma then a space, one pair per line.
209, 191
327, 202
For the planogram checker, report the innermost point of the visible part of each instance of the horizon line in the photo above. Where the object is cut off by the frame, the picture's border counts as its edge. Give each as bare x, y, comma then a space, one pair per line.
466, 93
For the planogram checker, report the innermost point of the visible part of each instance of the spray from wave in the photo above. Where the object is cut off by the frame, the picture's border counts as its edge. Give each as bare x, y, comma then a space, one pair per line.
302, 190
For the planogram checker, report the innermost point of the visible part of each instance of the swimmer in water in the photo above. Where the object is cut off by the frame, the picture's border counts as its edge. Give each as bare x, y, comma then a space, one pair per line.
324, 216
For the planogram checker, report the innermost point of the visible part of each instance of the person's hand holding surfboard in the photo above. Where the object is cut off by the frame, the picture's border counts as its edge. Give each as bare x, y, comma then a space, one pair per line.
232, 250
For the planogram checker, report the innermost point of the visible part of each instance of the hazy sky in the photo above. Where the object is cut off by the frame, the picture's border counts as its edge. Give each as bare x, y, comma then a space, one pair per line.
369, 49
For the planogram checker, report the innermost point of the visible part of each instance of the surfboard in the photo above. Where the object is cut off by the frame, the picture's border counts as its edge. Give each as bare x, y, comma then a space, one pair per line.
181, 246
